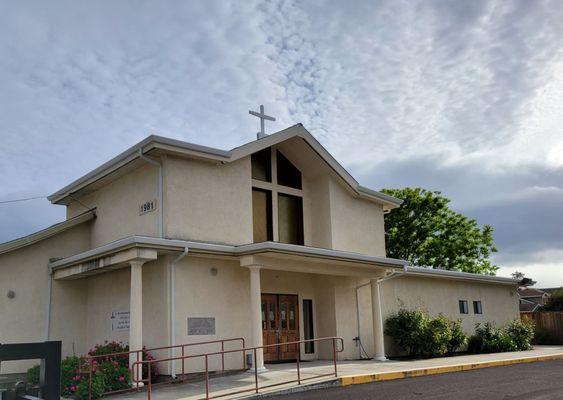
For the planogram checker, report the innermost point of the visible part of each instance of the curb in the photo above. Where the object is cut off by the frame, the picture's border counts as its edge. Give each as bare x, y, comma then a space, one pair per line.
388, 376
335, 382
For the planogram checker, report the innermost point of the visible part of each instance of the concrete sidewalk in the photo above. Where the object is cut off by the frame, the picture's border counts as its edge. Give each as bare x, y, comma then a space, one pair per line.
349, 373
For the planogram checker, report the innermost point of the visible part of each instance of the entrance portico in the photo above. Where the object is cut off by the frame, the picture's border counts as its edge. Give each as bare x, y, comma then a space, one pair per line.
334, 282
283, 293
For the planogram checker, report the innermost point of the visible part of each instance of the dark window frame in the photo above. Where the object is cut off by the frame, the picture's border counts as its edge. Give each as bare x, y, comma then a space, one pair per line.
287, 174
308, 325
262, 159
269, 215
477, 307
299, 223
463, 307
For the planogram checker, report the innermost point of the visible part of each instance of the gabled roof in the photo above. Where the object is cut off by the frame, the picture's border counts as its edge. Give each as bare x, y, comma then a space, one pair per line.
187, 149
528, 306
531, 292
551, 290
47, 232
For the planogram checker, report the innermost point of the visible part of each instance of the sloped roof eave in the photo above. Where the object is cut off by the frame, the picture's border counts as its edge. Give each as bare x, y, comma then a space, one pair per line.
155, 142
47, 232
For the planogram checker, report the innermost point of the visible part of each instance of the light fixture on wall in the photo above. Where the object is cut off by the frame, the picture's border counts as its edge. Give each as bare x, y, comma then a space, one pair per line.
213, 271
11, 294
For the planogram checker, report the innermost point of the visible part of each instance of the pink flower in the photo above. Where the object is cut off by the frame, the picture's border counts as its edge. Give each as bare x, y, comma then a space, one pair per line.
73, 388
121, 378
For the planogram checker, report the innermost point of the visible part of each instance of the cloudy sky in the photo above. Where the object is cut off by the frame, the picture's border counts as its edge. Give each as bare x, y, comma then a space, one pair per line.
465, 97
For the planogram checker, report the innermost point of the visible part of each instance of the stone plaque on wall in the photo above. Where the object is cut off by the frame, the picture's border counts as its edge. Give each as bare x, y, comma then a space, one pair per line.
201, 326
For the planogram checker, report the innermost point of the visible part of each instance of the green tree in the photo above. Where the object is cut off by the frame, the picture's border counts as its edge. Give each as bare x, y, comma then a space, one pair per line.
426, 232
555, 302
517, 275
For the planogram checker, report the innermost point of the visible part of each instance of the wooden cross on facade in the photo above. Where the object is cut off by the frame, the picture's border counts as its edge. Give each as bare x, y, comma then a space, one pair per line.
262, 117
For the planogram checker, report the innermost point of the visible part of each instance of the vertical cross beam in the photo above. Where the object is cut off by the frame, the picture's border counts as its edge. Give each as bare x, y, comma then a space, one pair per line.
262, 117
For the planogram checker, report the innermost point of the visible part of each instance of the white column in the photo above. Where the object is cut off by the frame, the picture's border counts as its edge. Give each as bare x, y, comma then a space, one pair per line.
379, 344
136, 314
256, 315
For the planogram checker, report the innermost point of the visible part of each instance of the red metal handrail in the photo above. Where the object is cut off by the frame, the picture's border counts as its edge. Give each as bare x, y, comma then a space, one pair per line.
139, 353
135, 379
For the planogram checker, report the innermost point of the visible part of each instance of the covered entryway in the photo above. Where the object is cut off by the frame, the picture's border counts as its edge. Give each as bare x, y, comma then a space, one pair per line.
280, 324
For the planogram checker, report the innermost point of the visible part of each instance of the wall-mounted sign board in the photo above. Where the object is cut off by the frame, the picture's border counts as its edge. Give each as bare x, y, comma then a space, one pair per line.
119, 321
201, 326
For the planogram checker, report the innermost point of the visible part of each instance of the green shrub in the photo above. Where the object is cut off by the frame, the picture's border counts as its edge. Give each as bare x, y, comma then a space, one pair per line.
458, 338
490, 339
555, 302
69, 375
98, 387
521, 331
435, 337
483, 339
420, 335
406, 328
33, 375
108, 373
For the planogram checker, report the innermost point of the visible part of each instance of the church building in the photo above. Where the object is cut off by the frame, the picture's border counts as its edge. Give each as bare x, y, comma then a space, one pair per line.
274, 241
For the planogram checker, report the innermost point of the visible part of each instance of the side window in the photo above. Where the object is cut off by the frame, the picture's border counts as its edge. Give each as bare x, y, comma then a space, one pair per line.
463, 307
477, 308
308, 328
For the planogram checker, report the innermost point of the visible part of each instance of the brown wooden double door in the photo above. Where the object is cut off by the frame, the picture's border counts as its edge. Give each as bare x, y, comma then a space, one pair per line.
280, 324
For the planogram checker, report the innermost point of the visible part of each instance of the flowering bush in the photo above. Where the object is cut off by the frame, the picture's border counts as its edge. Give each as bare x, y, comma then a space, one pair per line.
109, 372
69, 375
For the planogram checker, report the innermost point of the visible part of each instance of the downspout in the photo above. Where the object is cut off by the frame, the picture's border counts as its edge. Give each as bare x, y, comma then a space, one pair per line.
393, 275
49, 301
172, 287
160, 191
358, 318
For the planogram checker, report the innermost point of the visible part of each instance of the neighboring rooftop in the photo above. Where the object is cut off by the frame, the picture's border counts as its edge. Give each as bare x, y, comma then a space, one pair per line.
531, 292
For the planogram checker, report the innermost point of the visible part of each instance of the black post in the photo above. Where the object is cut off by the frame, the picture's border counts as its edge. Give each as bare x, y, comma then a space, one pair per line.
50, 355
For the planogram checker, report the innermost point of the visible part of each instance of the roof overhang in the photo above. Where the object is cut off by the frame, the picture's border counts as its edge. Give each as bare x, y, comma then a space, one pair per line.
48, 232
460, 276
270, 255
116, 255
154, 144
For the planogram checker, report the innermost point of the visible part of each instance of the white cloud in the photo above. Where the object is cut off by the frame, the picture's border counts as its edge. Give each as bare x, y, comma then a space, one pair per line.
545, 268
472, 88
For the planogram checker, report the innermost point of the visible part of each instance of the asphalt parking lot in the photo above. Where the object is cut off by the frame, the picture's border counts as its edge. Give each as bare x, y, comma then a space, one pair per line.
533, 381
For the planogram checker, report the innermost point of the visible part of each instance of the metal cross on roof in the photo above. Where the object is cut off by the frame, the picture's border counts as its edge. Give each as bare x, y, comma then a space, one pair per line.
262, 117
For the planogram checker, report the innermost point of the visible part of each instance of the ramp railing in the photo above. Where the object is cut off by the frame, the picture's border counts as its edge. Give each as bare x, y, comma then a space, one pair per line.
91, 361
337, 347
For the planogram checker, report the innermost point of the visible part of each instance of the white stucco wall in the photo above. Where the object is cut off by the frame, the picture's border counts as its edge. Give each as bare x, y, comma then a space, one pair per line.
117, 206
317, 197
207, 201
110, 291
441, 296
23, 318
356, 224
224, 296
